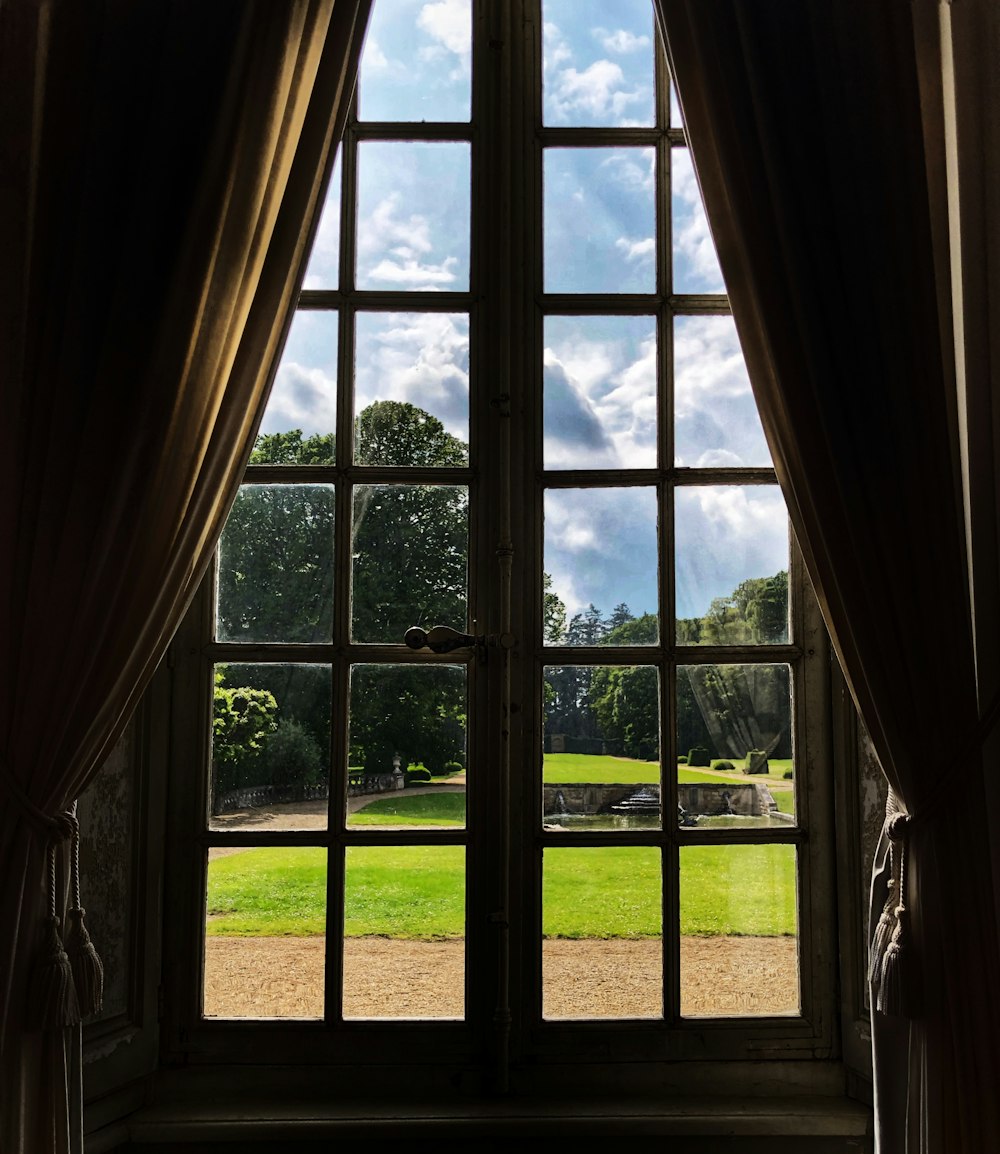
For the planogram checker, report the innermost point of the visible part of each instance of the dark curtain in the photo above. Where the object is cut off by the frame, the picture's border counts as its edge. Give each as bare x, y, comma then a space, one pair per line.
816, 136
161, 166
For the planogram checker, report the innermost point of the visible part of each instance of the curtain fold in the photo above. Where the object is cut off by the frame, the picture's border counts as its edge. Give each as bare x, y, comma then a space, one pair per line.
816, 140
162, 167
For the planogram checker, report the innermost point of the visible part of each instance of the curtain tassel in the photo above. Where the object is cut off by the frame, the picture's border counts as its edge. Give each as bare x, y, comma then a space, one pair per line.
85, 963
88, 969
52, 1001
883, 935
896, 975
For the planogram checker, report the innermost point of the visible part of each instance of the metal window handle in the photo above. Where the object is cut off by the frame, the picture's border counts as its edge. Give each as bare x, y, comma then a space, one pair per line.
443, 639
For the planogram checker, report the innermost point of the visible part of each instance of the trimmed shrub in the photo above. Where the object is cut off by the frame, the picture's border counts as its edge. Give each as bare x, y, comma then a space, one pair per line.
698, 756
291, 756
682, 759
453, 767
727, 766
756, 761
417, 776
789, 773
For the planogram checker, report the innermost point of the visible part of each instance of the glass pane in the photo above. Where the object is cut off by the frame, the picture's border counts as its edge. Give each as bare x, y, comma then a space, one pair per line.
323, 269
410, 549
676, 120
276, 565
731, 565
404, 926
716, 420
301, 414
739, 930
599, 220
734, 744
600, 551
265, 932
411, 389
407, 747
416, 63
696, 267
597, 63
270, 747
602, 948
600, 392
601, 767
413, 215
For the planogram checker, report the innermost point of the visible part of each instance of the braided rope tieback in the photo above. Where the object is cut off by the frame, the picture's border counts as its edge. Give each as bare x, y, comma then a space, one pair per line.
52, 1000
893, 960
88, 969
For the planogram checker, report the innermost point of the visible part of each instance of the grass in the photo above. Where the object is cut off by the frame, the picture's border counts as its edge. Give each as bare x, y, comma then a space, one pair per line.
418, 892
423, 809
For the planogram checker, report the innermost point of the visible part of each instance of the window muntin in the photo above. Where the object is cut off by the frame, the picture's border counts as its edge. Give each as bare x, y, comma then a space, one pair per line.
642, 476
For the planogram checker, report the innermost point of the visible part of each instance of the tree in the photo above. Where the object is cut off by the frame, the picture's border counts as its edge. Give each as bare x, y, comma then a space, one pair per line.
553, 613
291, 449
242, 720
409, 547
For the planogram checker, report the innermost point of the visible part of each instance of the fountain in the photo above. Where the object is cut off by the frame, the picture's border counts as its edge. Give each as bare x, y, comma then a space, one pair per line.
645, 800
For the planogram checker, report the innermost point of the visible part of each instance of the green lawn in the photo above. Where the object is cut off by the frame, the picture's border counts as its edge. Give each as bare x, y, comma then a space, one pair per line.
446, 808
419, 891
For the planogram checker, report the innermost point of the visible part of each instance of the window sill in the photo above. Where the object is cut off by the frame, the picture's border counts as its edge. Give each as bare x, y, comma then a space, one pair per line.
207, 1106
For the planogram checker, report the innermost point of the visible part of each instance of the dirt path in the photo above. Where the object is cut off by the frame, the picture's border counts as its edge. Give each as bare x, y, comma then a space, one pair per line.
283, 977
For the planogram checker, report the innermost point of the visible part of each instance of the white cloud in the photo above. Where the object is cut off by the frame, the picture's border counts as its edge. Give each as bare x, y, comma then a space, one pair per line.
399, 241
416, 275
709, 363
637, 250
621, 40
634, 169
448, 22
418, 358
692, 237
301, 398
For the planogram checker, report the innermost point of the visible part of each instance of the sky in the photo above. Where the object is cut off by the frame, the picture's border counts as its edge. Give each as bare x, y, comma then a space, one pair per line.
599, 235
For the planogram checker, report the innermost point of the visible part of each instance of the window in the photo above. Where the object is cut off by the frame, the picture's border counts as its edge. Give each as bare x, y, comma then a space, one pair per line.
501, 726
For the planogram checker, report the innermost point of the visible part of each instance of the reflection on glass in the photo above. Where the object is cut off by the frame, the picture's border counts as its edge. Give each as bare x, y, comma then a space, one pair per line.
323, 269
716, 420
407, 748
270, 746
734, 739
264, 932
404, 918
411, 388
601, 766
600, 392
301, 414
696, 267
600, 551
410, 545
416, 63
599, 220
597, 63
739, 930
602, 947
275, 578
731, 563
413, 215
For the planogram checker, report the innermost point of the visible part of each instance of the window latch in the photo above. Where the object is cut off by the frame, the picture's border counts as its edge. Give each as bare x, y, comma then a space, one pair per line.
443, 639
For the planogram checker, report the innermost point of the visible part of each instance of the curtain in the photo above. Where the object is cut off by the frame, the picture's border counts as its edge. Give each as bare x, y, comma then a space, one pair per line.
816, 130
162, 166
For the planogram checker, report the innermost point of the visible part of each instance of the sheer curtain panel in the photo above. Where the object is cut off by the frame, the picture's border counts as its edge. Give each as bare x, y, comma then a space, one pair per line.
161, 165
817, 132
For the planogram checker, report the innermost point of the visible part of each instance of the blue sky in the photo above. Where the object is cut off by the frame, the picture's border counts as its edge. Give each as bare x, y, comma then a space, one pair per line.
599, 235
